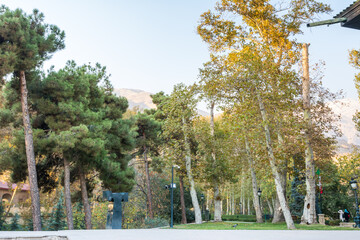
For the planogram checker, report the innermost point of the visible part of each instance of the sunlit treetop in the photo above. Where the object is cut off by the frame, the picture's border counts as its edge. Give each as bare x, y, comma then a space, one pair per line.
263, 24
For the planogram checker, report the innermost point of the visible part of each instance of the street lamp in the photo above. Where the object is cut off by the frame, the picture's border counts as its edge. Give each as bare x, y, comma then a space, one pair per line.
172, 194
259, 194
354, 186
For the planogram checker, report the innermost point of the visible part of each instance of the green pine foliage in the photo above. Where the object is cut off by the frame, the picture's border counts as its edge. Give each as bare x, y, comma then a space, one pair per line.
14, 225
2, 215
25, 40
57, 218
297, 199
29, 226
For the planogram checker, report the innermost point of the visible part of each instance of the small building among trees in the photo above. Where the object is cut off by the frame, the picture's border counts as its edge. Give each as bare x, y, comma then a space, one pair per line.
7, 189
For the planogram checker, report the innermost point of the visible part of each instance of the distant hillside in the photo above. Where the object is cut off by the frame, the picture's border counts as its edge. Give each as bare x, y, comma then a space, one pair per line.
347, 109
136, 98
141, 99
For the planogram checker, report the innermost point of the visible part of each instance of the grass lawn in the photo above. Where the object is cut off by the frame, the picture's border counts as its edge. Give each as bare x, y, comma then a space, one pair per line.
254, 226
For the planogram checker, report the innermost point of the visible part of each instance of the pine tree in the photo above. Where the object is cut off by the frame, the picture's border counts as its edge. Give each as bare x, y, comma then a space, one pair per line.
25, 42
148, 142
2, 220
57, 219
297, 199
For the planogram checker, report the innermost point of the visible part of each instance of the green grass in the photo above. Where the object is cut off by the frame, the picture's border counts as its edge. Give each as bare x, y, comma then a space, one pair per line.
239, 218
254, 226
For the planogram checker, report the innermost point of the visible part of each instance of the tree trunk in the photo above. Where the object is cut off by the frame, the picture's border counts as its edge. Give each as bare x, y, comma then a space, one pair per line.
270, 207
243, 205
309, 213
278, 214
30, 155
279, 188
149, 195
254, 183
69, 213
85, 199
217, 196
233, 203
182, 200
242, 192
193, 195
248, 207
227, 201
221, 206
207, 199
217, 204
11, 201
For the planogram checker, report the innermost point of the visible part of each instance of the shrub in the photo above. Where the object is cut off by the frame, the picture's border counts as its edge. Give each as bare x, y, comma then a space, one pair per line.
156, 222
99, 215
14, 225
78, 216
334, 222
2, 219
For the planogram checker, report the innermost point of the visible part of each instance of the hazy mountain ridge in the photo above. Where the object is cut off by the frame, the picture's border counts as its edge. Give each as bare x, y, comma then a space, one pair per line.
345, 107
141, 99
136, 98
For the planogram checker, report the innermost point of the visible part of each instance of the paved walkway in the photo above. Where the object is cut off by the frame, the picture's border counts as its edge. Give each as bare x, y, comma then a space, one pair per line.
175, 234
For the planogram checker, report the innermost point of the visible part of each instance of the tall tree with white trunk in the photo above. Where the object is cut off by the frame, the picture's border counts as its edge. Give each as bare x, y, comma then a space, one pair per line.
309, 212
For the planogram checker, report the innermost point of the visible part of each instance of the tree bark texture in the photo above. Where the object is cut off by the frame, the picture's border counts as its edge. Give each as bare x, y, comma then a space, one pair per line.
279, 188
149, 194
233, 204
309, 213
207, 199
217, 195
194, 199
256, 201
30, 155
270, 207
278, 214
242, 193
227, 202
182, 200
69, 213
85, 199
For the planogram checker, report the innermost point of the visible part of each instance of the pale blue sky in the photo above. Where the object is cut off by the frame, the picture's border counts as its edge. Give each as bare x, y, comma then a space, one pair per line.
153, 44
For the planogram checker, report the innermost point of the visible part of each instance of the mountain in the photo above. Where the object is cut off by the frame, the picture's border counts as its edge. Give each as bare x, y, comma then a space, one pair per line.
136, 98
346, 108
141, 99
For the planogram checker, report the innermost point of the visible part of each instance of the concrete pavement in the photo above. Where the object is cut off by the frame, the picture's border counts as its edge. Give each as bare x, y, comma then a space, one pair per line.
176, 234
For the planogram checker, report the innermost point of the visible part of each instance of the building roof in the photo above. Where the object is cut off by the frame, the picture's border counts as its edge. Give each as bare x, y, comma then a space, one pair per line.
5, 185
352, 13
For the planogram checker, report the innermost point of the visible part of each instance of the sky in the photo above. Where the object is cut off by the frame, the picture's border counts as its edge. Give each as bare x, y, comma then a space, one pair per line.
152, 44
